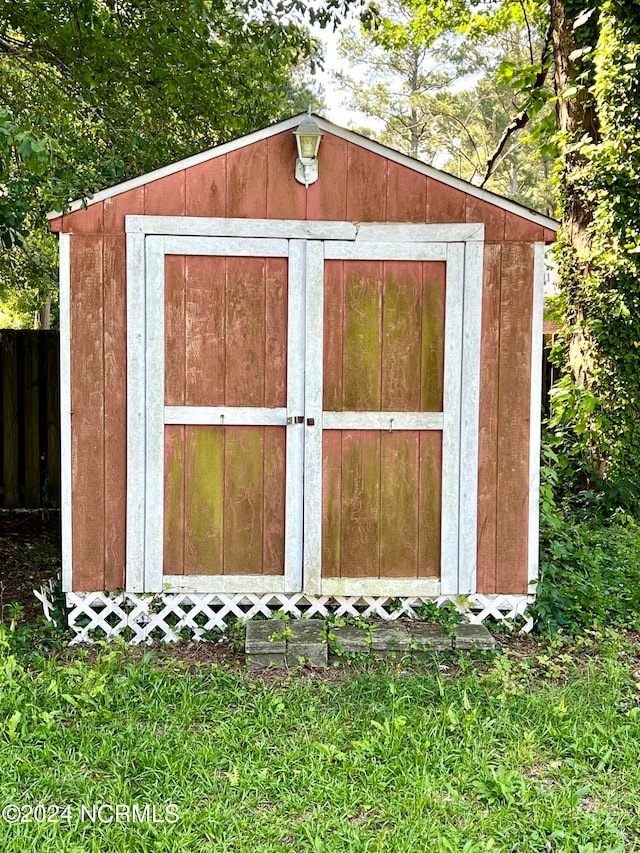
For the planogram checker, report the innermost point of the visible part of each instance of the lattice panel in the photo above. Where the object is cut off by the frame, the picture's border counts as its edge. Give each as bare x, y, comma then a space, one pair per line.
170, 617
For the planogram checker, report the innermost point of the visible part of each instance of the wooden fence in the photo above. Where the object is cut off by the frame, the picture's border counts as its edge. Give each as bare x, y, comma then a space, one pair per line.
29, 419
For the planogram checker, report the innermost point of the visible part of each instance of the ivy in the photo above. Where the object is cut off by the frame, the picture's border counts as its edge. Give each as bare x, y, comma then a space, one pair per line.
598, 251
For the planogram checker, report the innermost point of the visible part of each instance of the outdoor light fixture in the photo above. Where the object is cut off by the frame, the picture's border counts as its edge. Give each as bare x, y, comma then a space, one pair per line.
308, 138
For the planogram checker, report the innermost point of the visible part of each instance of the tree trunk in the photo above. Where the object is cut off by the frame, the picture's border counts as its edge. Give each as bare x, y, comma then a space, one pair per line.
577, 119
43, 315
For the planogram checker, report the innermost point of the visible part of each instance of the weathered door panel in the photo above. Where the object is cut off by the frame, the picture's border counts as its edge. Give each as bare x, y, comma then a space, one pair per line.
384, 327
231, 469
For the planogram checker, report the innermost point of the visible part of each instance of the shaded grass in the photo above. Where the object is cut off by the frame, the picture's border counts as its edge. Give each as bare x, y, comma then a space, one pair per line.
509, 754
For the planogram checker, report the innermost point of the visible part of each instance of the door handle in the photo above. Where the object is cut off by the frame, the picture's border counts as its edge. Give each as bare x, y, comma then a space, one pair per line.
311, 422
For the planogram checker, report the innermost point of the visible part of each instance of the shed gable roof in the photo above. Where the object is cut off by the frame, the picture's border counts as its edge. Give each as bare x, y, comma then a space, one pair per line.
342, 133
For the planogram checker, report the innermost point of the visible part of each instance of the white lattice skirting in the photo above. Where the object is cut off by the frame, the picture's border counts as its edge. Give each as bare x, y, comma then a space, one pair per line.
170, 617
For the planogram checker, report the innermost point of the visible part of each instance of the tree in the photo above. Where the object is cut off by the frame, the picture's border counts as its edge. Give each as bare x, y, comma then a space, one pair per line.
591, 52
597, 72
123, 86
450, 101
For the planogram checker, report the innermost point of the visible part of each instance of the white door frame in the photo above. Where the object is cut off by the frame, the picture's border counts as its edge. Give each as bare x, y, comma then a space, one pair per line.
306, 244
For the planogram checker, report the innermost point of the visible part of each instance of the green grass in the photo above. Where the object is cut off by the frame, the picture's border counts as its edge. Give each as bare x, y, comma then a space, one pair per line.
539, 752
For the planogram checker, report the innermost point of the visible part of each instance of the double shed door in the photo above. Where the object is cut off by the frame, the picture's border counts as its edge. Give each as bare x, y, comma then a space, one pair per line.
302, 411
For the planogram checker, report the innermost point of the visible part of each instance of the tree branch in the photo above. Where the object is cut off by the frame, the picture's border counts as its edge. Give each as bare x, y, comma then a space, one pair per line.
522, 119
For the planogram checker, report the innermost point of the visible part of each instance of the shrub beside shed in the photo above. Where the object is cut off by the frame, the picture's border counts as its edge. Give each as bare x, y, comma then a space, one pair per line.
288, 397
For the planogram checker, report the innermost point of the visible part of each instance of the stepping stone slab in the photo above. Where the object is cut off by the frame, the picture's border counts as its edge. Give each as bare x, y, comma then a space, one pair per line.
390, 641
473, 637
426, 639
308, 642
257, 661
346, 639
266, 637
307, 631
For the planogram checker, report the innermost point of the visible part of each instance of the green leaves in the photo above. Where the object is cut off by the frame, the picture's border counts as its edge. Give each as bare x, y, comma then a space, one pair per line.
125, 88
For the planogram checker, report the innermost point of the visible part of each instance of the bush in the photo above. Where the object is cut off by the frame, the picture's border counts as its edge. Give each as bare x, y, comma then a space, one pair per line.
590, 572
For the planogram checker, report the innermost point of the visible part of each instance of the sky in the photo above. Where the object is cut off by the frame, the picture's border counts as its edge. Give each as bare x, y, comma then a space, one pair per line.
335, 99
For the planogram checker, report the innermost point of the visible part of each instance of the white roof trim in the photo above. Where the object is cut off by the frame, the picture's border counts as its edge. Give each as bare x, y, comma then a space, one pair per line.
336, 130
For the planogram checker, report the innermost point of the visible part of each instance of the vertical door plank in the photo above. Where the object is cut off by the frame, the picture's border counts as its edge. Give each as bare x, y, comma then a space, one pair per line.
362, 349
174, 321
53, 417
430, 504
331, 502
245, 332
174, 516
360, 533
243, 500
115, 408
401, 336
203, 500
10, 417
514, 413
274, 500
433, 323
87, 405
31, 385
204, 331
488, 426
333, 335
399, 504
276, 310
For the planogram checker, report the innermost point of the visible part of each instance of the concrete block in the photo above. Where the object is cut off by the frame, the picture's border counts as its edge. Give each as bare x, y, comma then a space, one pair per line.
259, 661
266, 637
307, 631
300, 652
347, 639
390, 641
468, 636
426, 639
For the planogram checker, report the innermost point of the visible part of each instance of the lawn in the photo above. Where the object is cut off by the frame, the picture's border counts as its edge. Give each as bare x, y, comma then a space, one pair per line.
536, 748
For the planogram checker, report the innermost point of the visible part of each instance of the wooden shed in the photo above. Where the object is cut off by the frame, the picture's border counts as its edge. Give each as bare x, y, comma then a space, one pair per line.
280, 396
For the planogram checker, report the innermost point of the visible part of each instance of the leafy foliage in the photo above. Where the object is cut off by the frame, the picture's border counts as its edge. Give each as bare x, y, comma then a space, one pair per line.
599, 249
125, 87
590, 573
446, 80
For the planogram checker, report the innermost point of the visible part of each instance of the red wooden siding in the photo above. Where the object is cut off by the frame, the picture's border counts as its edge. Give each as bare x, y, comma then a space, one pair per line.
224, 500
257, 181
225, 345
88, 407
384, 336
383, 351
381, 503
226, 331
503, 480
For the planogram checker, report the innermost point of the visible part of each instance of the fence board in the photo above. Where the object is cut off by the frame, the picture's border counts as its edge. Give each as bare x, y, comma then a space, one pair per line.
8, 350
30, 346
29, 419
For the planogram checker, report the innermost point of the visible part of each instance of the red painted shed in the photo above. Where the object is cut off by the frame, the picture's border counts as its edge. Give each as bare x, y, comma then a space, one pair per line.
292, 397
